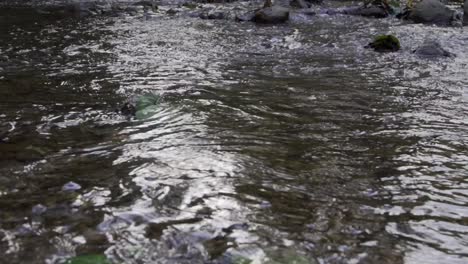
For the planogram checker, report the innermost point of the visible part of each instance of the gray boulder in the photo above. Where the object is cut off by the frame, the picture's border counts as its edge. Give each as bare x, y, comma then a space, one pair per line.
367, 11
431, 11
432, 49
272, 15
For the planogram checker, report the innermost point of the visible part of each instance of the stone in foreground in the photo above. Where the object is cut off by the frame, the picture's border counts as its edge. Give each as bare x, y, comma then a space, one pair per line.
432, 49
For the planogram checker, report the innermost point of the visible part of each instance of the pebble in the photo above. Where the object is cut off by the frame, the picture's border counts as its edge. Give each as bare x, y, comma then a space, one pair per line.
71, 186
38, 209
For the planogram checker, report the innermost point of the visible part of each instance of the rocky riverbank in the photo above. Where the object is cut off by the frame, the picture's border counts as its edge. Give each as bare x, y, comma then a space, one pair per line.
425, 11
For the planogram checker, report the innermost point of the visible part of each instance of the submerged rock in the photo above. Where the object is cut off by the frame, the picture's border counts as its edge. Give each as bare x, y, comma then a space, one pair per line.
431, 12
299, 4
432, 49
231, 228
38, 209
272, 15
147, 5
375, 9
128, 109
385, 43
249, 16
142, 107
212, 15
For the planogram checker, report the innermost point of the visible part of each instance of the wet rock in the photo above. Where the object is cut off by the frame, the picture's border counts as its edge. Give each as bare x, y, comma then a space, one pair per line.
432, 49
431, 12
38, 209
376, 9
147, 5
71, 186
204, 212
385, 43
212, 15
231, 228
249, 16
371, 11
172, 12
155, 230
128, 109
332, 11
299, 4
141, 107
272, 15
302, 15
216, 246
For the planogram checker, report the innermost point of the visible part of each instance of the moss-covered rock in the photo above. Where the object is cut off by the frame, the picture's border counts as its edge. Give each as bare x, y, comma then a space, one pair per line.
88, 259
385, 43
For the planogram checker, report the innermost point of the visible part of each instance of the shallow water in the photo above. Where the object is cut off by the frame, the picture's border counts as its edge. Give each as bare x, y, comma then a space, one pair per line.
273, 143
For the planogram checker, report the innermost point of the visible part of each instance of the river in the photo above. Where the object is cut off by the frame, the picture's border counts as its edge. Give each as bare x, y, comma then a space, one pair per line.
272, 144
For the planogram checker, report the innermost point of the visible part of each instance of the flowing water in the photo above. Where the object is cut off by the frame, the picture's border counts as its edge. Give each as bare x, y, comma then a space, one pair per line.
270, 143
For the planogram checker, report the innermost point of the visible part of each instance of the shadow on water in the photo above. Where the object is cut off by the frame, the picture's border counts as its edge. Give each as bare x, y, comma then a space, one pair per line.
275, 144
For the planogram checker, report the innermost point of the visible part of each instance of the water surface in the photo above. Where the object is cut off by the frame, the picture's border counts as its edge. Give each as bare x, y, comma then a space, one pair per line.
272, 143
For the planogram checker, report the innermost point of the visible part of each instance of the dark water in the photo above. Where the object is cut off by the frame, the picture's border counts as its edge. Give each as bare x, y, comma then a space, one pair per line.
272, 143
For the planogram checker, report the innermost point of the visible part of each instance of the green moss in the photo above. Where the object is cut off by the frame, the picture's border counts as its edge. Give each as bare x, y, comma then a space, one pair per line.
88, 259
241, 260
190, 5
147, 112
147, 100
385, 43
147, 105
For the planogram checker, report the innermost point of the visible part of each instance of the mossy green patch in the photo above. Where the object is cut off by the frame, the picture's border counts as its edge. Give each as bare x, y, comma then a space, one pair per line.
146, 100
147, 106
146, 112
88, 259
385, 43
